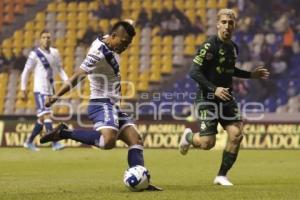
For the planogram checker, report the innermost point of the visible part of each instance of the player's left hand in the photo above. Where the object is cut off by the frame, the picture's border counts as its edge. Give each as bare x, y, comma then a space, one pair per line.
50, 100
260, 73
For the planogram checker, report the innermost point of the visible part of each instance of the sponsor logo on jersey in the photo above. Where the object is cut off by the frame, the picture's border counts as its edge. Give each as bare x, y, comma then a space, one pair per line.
222, 52
203, 126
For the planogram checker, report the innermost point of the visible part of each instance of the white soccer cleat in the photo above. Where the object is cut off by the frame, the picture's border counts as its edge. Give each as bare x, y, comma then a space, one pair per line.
56, 146
184, 145
30, 146
222, 180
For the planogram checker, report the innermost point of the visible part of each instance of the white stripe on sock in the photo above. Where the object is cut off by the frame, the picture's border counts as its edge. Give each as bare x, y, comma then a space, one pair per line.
48, 121
136, 146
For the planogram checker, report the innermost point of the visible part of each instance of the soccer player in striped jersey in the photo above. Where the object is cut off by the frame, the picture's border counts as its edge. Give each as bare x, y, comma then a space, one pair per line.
45, 61
101, 65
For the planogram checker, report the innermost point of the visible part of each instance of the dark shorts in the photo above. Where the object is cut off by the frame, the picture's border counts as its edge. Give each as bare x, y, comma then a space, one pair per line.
106, 114
210, 113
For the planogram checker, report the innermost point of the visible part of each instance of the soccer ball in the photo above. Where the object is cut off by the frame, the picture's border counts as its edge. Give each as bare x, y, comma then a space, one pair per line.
136, 178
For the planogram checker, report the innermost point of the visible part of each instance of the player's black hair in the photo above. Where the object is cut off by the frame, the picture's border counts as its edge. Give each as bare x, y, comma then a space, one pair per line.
44, 31
127, 26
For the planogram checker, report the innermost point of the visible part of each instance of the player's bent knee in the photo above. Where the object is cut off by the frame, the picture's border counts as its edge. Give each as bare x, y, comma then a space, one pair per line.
207, 142
110, 144
131, 136
236, 138
208, 145
41, 120
140, 141
110, 138
46, 117
197, 141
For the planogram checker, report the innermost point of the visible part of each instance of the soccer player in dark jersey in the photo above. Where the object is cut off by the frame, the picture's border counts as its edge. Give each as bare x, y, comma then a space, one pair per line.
213, 69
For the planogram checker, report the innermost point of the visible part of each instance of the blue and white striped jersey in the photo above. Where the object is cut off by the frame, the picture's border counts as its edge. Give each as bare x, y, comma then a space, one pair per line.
102, 64
44, 64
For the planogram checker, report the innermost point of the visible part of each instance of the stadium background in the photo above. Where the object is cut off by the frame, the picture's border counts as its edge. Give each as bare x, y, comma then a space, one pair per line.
157, 62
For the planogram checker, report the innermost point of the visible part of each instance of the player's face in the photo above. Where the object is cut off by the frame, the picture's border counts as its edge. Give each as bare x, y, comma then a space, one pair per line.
120, 41
226, 26
45, 40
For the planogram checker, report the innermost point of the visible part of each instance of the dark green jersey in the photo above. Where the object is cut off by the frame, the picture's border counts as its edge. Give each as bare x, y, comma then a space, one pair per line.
214, 65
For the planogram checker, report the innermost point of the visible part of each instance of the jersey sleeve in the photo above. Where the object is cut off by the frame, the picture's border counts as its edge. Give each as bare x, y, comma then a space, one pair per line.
200, 62
92, 58
58, 67
241, 73
204, 54
29, 66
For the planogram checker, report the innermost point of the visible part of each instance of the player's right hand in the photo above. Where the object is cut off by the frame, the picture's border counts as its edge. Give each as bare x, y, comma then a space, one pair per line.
50, 100
223, 93
24, 95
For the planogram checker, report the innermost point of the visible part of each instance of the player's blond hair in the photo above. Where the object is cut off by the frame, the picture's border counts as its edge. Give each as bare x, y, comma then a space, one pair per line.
226, 11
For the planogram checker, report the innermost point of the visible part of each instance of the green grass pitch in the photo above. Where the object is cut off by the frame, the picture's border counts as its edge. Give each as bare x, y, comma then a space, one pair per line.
85, 173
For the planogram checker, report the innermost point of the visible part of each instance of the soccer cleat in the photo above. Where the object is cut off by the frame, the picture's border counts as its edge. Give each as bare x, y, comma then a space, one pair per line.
30, 146
184, 145
56, 146
153, 188
222, 180
54, 135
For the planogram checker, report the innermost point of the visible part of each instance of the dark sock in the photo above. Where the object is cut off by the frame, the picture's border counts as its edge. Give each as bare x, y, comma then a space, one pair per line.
48, 126
227, 162
135, 156
36, 130
89, 137
189, 137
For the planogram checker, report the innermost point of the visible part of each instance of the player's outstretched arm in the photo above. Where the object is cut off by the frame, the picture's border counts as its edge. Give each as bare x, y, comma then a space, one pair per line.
260, 73
241, 73
30, 64
59, 69
73, 81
